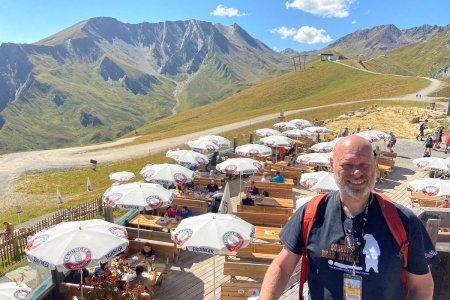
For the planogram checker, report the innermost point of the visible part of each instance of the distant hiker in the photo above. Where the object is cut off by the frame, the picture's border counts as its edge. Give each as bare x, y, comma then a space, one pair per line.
345, 132
435, 139
340, 133
422, 128
447, 141
428, 146
417, 95
391, 141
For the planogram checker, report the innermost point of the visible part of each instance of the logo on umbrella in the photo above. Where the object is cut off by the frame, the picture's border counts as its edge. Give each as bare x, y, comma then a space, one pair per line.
210, 148
230, 169
203, 249
257, 165
183, 236
180, 178
270, 143
430, 190
233, 240
113, 198
422, 164
37, 241
200, 160
252, 152
305, 160
119, 231
175, 156
154, 201
77, 258
148, 174
310, 182
20, 294
327, 149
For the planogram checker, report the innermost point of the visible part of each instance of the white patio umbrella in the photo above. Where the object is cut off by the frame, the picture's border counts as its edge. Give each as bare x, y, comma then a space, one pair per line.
202, 145
167, 174
298, 133
188, 158
301, 123
14, 291
277, 141
315, 159
435, 187
216, 139
380, 134
432, 164
302, 200
76, 245
319, 181
253, 150
324, 147
239, 166
371, 137
285, 125
213, 234
122, 176
267, 132
318, 129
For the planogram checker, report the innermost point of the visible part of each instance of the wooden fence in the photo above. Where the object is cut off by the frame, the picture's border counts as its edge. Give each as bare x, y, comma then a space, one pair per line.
12, 249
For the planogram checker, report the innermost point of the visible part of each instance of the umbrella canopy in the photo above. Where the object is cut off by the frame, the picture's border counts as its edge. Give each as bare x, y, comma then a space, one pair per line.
432, 164
137, 195
431, 187
298, 133
319, 181
241, 165
285, 125
302, 200
277, 141
188, 158
267, 132
301, 123
324, 147
121, 176
380, 134
167, 174
371, 137
315, 159
14, 291
253, 150
202, 145
216, 139
76, 245
213, 233
318, 129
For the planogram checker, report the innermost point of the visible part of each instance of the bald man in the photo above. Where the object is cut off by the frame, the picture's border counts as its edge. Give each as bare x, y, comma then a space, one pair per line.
370, 265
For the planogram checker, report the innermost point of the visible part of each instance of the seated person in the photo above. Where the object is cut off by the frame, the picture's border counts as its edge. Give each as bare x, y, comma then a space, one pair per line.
212, 175
265, 177
185, 213
147, 253
209, 206
74, 276
140, 278
189, 185
212, 187
102, 271
252, 189
278, 178
444, 204
248, 200
9, 230
172, 211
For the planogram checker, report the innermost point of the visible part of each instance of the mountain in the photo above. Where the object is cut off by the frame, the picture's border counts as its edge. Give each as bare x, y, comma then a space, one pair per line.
381, 39
102, 78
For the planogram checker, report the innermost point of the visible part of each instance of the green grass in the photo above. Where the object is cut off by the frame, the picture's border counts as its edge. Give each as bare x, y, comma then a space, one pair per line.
445, 92
37, 192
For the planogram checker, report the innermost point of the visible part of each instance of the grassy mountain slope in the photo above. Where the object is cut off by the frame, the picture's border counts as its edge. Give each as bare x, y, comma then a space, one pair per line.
426, 58
321, 83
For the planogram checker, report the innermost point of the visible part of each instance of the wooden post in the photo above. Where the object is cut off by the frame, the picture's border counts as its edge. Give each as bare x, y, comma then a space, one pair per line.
109, 217
235, 143
252, 138
432, 227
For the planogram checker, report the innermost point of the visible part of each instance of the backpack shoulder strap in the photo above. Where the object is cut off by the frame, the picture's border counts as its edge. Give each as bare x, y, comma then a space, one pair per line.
308, 221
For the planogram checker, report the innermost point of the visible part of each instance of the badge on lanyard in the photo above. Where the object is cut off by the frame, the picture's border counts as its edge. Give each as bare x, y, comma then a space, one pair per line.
352, 287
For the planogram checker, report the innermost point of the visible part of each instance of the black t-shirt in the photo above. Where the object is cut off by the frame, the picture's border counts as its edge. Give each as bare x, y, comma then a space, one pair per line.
212, 188
378, 260
148, 254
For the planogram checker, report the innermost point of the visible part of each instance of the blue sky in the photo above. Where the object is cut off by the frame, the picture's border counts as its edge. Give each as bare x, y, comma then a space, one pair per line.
298, 24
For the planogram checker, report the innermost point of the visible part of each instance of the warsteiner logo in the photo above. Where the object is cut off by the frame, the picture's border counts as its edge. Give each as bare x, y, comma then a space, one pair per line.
230, 169
183, 236
200, 160
20, 294
422, 164
210, 148
257, 165
77, 258
180, 178
37, 241
154, 201
119, 231
148, 174
309, 183
430, 190
327, 149
305, 160
113, 198
233, 240
253, 152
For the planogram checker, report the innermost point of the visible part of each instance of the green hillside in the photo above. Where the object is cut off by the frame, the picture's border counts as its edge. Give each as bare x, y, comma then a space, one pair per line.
321, 83
425, 58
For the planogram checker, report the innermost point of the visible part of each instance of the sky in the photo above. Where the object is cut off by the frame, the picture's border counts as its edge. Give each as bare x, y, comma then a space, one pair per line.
298, 24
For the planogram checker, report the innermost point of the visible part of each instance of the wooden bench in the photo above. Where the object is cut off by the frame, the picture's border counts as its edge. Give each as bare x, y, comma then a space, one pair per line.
239, 290
244, 269
198, 207
265, 209
70, 290
389, 154
161, 242
281, 190
278, 220
385, 161
203, 181
258, 251
418, 199
284, 169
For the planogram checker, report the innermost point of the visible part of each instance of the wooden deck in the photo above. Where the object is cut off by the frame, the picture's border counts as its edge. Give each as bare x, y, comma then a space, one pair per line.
192, 276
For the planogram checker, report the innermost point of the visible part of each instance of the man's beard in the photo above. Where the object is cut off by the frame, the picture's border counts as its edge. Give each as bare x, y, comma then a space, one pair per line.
356, 194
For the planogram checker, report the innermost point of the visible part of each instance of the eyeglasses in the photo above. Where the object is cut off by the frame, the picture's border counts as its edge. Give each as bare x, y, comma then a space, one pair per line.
349, 238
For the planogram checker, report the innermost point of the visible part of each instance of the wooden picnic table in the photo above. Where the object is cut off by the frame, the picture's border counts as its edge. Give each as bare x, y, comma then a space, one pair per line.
275, 202
151, 222
267, 233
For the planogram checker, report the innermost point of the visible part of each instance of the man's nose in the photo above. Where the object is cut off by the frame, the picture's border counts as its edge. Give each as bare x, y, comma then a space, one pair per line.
357, 171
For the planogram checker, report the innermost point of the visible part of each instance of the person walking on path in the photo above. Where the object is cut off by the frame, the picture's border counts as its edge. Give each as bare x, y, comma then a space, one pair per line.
428, 146
447, 141
391, 141
422, 128
350, 246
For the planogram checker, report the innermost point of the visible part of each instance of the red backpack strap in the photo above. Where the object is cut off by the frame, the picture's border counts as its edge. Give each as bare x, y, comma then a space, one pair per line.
397, 229
308, 221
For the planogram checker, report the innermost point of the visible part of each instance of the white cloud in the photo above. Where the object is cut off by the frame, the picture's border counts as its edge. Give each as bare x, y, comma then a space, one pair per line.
284, 32
323, 8
353, 22
223, 11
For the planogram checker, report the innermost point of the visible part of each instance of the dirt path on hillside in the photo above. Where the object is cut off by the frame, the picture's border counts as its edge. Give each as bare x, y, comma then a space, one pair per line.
15, 164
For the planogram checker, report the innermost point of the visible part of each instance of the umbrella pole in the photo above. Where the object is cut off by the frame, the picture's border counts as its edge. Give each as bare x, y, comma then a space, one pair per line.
81, 283
139, 215
214, 277
240, 186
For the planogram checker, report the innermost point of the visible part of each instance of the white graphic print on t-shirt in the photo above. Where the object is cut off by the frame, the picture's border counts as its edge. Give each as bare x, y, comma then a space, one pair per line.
372, 252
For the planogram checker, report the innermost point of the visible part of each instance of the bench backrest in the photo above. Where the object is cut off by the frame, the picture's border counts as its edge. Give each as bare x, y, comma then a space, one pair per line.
265, 209
162, 249
149, 235
245, 269
264, 219
188, 202
386, 161
206, 181
263, 248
